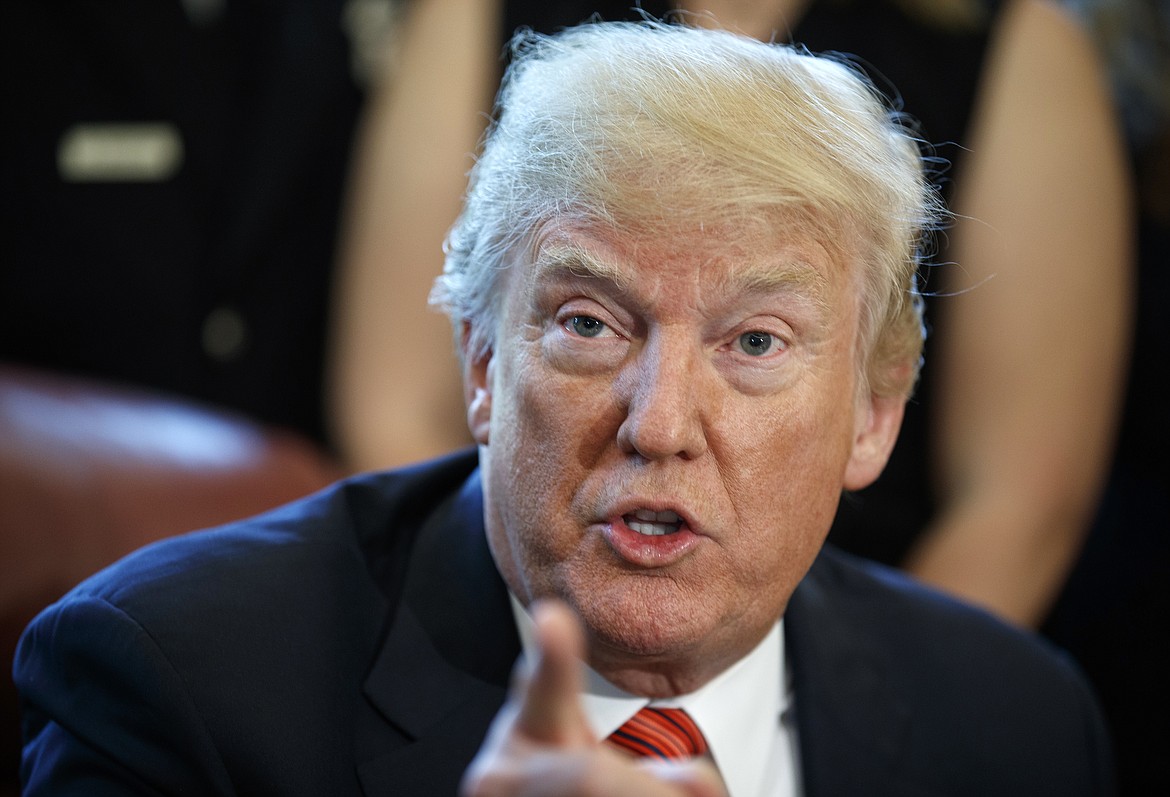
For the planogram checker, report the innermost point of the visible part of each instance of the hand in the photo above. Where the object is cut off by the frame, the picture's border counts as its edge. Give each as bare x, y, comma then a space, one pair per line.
540, 744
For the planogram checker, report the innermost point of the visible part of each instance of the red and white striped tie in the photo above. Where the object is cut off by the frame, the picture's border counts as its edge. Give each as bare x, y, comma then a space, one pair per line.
667, 733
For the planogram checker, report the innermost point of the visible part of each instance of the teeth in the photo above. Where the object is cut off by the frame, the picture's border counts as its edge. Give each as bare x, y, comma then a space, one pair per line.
657, 517
653, 524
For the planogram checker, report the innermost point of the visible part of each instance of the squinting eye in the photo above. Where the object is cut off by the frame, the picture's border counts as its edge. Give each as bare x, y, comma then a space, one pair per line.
586, 326
757, 344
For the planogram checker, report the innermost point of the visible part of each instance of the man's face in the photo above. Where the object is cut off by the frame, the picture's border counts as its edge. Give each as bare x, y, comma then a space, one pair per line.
666, 423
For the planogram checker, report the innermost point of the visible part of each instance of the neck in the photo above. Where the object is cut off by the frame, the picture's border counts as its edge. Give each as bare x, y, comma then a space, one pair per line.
665, 676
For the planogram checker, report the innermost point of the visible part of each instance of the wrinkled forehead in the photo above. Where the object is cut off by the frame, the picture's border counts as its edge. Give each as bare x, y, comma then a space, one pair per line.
761, 250
723, 261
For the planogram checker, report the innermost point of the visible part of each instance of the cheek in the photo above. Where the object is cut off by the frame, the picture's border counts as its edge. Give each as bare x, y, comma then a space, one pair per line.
787, 487
522, 437
794, 445
566, 420
545, 436
541, 424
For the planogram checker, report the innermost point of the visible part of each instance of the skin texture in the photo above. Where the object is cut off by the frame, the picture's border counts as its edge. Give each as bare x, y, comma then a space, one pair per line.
658, 406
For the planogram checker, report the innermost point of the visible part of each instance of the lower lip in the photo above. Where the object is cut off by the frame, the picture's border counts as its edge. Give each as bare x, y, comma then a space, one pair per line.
648, 551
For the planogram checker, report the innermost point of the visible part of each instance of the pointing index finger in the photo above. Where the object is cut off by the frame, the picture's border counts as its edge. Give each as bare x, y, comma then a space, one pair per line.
550, 709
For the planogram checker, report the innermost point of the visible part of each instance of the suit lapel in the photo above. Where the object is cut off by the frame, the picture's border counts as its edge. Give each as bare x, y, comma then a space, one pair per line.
851, 726
443, 670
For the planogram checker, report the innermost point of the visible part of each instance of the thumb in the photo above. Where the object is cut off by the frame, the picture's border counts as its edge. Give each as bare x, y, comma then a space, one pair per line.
550, 709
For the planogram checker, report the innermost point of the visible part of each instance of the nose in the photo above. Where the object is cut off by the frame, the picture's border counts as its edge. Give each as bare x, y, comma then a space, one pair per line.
662, 388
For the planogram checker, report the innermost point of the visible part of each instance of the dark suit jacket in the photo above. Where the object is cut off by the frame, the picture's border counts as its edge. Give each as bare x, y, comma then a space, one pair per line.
360, 641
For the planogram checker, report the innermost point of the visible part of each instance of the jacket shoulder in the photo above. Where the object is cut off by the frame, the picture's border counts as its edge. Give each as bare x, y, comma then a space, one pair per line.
967, 703
221, 650
360, 524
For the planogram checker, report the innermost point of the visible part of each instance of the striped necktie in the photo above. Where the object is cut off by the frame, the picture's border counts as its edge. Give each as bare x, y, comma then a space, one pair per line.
667, 733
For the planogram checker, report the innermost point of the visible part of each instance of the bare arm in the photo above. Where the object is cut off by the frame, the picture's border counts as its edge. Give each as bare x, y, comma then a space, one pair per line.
1031, 361
395, 391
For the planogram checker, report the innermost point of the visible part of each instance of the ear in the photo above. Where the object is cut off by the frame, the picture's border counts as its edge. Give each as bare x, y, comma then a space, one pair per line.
477, 388
879, 419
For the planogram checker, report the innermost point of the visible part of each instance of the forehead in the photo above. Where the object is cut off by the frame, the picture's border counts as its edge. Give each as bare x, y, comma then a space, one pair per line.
780, 254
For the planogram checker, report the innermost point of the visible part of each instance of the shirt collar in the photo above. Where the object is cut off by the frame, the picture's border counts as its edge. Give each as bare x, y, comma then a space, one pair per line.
739, 711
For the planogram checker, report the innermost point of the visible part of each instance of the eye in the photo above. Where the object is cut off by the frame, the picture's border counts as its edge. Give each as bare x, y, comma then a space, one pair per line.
756, 343
585, 325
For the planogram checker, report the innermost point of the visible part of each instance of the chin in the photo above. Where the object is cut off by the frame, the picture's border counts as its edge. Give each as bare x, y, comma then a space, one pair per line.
631, 622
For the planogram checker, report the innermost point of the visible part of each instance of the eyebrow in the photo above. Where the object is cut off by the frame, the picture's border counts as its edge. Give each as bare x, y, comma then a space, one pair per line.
793, 276
566, 260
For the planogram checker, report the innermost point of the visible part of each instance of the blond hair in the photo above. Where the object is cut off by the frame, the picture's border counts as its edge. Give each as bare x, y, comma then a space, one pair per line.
656, 123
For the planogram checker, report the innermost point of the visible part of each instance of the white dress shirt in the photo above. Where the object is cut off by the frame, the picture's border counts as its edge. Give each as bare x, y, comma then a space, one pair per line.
744, 713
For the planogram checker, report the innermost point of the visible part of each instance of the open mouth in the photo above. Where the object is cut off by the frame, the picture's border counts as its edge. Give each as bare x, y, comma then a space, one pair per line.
653, 524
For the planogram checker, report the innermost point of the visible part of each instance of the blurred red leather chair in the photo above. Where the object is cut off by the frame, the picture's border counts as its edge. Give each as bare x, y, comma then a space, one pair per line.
91, 471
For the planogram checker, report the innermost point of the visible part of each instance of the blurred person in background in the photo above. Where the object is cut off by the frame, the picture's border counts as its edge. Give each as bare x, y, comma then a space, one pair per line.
1114, 611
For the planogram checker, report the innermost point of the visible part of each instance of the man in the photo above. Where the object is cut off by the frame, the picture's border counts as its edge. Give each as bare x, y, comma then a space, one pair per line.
683, 285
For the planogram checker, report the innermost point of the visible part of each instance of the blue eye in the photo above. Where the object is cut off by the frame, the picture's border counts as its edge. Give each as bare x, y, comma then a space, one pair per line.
757, 344
585, 326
